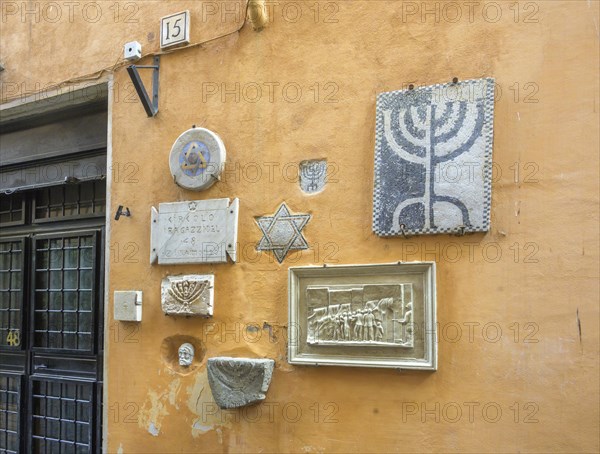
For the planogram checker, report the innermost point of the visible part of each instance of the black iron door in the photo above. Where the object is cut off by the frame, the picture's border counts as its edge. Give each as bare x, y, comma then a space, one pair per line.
51, 295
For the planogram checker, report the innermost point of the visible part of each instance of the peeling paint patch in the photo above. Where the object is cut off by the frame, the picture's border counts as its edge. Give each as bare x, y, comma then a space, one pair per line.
312, 449
120, 449
252, 328
155, 407
198, 426
173, 391
195, 393
197, 403
202, 404
153, 430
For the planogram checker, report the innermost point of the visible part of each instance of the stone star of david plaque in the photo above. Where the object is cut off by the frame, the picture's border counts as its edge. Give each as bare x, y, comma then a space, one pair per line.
433, 159
363, 315
282, 232
200, 231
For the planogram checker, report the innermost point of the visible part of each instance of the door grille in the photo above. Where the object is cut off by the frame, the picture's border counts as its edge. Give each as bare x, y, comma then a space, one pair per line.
10, 391
64, 292
62, 414
11, 292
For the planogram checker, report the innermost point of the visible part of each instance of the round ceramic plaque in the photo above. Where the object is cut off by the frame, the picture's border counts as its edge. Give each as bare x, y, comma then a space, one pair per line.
197, 159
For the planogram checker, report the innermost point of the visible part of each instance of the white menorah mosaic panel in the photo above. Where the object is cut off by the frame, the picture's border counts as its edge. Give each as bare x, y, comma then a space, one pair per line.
433, 159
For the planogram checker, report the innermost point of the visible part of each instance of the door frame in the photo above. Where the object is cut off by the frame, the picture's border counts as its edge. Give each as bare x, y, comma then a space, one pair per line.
24, 111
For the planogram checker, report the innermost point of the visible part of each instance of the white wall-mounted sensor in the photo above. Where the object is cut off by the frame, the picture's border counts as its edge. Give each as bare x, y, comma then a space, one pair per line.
132, 51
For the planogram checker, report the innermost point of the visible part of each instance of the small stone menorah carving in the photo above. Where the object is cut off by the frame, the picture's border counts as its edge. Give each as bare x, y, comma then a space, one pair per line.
185, 292
313, 173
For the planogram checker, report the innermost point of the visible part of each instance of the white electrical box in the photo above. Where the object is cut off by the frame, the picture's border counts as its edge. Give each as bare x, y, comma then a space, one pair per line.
132, 51
128, 305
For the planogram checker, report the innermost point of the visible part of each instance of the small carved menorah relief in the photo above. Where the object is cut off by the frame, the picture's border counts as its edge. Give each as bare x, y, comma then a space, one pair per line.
187, 291
188, 295
313, 175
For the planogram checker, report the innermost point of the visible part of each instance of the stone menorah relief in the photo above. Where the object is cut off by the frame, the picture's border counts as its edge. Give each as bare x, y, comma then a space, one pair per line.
313, 175
433, 159
190, 295
237, 382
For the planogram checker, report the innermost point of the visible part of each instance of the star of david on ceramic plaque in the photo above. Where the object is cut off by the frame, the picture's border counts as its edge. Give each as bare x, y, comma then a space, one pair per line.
282, 232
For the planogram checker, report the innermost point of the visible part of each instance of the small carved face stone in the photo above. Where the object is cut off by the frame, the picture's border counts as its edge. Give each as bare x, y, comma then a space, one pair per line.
186, 354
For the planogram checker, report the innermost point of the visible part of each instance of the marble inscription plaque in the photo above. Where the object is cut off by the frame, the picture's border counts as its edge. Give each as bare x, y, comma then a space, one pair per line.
363, 315
433, 159
201, 231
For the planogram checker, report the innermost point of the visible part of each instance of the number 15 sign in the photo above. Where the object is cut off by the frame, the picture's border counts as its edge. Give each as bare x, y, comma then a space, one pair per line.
175, 29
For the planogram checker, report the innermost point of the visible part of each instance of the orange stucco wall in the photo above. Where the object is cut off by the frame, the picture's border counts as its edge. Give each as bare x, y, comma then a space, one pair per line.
517, 307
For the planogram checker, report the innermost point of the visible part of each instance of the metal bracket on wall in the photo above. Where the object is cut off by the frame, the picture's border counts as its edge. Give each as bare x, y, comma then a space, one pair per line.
151, 106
